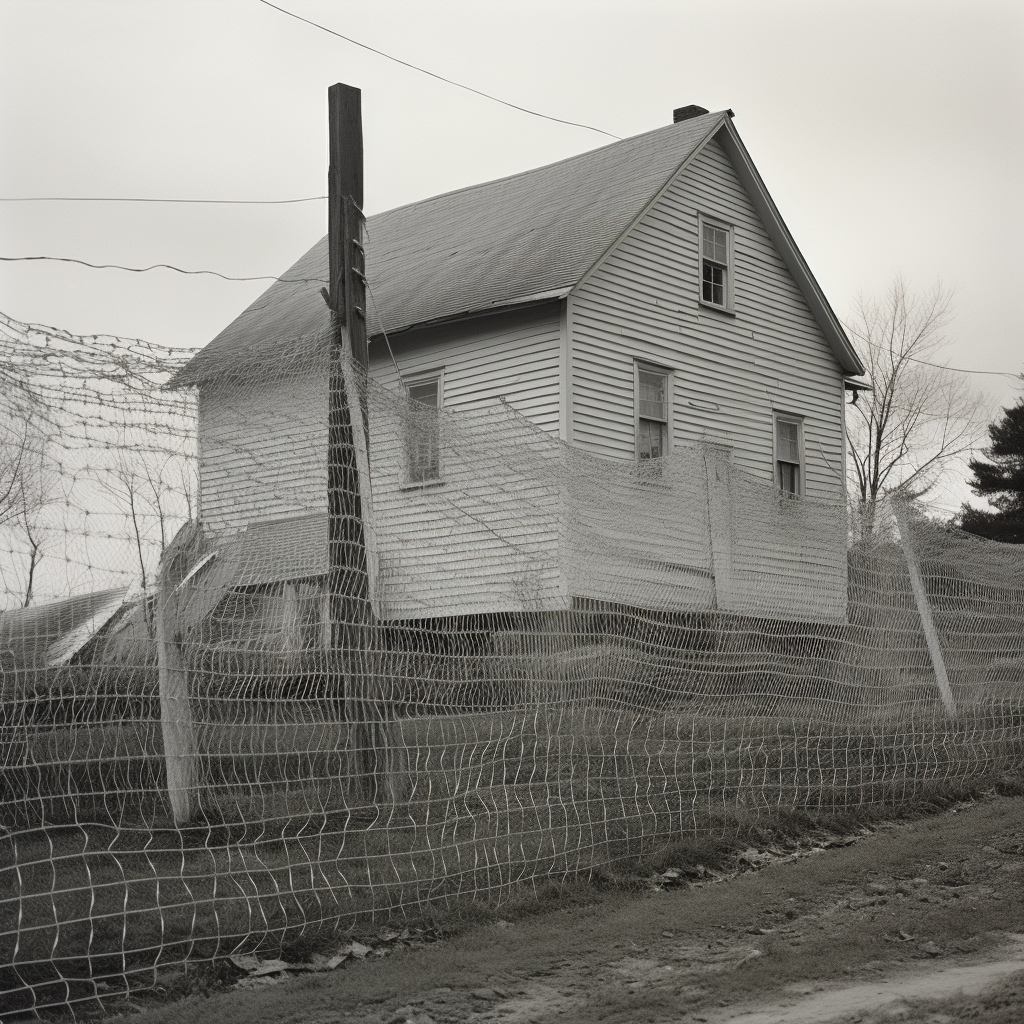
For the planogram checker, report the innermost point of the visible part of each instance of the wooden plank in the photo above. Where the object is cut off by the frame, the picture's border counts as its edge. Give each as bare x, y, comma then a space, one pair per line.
720, 516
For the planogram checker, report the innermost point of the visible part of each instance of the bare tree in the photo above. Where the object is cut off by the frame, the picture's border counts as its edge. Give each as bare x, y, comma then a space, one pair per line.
155, 493
920, 416
128, 491
33, 534
26, 482
24, 477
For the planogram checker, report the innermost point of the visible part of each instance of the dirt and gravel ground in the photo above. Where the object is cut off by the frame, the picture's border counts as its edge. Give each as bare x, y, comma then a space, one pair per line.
919, 920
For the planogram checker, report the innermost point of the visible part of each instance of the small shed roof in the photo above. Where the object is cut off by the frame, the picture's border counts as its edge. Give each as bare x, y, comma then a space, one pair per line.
50, 634
488, 246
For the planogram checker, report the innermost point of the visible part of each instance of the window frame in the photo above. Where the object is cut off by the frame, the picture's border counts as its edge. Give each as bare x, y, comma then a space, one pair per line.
778, 417
648, 367
409, 382
730, 267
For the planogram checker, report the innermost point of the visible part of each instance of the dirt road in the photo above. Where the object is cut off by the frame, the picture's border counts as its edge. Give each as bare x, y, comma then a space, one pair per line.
898, 917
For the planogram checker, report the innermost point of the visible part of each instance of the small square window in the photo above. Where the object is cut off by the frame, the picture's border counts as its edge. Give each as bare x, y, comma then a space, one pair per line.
652, 413
715, 265
789, 460
423, 431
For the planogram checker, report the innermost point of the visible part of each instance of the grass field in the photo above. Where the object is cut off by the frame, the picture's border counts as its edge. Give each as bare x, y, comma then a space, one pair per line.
474, 805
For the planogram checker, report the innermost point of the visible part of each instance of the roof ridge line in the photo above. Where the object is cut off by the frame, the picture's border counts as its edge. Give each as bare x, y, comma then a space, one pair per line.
721, 118
542, 167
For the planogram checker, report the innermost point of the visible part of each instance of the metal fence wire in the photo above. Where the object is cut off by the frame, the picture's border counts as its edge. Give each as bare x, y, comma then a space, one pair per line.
236, 721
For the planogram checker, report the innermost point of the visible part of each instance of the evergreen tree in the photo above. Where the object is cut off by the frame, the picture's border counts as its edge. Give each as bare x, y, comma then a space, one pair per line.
1001, 481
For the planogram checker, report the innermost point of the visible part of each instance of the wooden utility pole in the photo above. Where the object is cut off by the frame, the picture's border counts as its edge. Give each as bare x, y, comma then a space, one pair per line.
347, 297
351, 663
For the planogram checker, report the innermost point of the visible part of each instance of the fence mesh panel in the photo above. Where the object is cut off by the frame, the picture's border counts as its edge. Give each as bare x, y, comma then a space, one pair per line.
238, 718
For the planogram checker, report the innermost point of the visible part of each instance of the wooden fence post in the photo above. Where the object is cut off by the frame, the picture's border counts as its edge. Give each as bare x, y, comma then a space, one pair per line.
720, 517
176, 720
931, 634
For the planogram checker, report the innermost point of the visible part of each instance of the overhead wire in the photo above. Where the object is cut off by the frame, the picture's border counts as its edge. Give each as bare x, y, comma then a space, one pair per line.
315, 280
134, 199
441, 78
961, 369
159, 266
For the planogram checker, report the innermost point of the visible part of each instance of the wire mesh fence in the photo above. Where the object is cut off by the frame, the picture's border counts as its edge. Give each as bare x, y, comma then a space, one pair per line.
265, 712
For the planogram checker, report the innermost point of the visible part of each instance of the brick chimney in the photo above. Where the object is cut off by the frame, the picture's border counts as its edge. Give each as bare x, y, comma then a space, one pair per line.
685, 113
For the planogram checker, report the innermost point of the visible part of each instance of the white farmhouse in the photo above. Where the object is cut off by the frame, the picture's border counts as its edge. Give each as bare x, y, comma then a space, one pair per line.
636, 322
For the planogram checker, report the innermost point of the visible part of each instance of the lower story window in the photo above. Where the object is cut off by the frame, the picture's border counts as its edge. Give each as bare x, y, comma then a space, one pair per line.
423, 431
652, 421
789, 462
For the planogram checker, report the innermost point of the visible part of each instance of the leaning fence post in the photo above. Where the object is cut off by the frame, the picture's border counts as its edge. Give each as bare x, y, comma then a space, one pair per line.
176, 721
931, 634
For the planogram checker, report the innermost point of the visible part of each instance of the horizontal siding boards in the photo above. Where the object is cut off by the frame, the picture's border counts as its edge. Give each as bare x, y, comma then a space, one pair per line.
729, 374
487, 538
642, 303
636, 542
263, 451
485, 541
512, 355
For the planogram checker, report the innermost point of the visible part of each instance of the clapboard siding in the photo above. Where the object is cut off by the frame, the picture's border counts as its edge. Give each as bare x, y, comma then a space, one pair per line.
521, 522
263, 450
638, 542
729, 374
642, 303
514, 356
486, 539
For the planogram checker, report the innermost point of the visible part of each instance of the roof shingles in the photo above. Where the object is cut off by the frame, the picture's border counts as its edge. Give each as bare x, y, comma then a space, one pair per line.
480, 247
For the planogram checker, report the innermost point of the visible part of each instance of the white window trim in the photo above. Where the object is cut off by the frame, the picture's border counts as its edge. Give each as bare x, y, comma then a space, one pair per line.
644, 364
779, 416
730, 270
423, 377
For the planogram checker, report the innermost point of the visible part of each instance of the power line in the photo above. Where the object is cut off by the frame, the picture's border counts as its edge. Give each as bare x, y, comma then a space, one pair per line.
122, 199
440, 78
960, 369
158, 266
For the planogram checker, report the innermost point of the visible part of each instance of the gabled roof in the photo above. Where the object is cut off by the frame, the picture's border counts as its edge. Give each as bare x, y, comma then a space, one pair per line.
519, 239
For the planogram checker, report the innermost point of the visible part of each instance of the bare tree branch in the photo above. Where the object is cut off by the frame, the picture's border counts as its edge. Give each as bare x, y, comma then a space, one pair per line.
26, 477
919, 418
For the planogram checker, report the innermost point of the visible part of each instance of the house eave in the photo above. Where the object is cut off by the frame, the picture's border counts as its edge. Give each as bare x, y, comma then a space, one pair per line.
787, 247
506, 305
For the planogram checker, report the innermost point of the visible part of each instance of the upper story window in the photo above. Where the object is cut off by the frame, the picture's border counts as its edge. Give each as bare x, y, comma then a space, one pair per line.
652, 404
715, 264
423, 429
789, 453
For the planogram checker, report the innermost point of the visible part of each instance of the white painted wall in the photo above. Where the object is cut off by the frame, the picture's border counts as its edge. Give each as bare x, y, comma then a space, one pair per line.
501, 531
486, 538
262, 448
729, 372
513, 355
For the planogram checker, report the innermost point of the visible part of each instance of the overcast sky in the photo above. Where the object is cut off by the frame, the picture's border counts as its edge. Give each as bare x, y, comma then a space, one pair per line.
891, 136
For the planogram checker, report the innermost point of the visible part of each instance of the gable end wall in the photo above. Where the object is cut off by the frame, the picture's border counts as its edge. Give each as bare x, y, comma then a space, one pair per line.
642, 303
